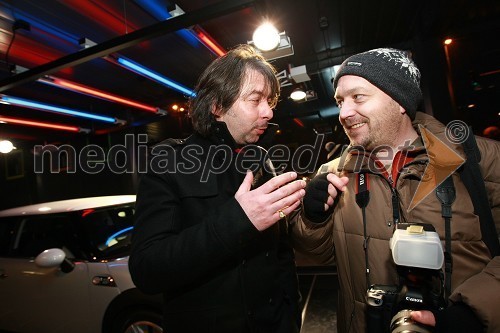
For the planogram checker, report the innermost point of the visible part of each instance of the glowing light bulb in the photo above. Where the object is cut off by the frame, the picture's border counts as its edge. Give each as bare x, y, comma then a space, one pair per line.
266, 37
6, 146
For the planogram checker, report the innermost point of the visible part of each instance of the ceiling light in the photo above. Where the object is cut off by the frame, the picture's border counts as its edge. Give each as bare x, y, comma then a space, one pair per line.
306, 95
284, 48
192, 36
208, 41
47, 107
139, 69
25, 122
266, 37
80, 88
298, 94
43, 30
6, 146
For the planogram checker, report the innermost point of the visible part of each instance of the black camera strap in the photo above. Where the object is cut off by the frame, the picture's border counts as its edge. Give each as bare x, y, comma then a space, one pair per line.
445, 192
471, 176
362, 199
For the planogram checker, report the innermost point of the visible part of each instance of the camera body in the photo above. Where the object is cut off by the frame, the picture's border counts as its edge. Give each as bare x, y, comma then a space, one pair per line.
420, 287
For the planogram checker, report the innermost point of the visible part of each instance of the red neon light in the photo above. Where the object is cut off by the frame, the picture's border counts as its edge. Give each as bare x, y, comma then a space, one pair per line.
29, 53
210, 43
39, 124
101, 94
87, 212
298, 122
102, 14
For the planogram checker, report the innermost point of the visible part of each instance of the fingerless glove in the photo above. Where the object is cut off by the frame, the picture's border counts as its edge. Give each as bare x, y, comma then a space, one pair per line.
457, 318
315, 199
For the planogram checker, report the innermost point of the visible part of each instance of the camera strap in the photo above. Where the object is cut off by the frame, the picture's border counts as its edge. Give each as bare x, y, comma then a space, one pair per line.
362, 199
445, 192
471, 176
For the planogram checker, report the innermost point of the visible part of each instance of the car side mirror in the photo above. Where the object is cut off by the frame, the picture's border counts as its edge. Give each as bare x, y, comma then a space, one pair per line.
53, 258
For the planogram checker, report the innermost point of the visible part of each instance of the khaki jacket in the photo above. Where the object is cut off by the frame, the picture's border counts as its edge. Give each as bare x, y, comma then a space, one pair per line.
476, 276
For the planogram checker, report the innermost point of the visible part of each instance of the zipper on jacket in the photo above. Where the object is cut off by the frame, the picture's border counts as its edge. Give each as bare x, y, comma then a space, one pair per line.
395, 196
395, 206
396, 216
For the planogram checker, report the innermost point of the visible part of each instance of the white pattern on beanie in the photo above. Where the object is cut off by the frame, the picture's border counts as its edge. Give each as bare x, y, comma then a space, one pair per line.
400, 58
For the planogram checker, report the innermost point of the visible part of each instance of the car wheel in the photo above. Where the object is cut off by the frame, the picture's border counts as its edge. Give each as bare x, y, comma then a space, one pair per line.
138, 321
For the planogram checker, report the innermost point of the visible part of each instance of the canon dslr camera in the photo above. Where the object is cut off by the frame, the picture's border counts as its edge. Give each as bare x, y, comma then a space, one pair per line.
418, 254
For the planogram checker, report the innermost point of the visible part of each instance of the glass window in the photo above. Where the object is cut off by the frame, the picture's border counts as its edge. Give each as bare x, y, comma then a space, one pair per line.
39, 233
109, 230
7, 232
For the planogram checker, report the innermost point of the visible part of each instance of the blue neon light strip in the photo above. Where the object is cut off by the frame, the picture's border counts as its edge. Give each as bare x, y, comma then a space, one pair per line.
45, 30
116, 234
160, 12
155, 76
53, 108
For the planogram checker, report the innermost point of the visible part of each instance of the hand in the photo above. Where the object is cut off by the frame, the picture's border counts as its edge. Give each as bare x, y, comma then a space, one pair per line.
263, 204
320, 195
457, 318
424, 317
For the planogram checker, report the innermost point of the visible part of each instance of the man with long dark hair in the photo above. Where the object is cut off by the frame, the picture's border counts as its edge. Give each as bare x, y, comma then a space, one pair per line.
210, 235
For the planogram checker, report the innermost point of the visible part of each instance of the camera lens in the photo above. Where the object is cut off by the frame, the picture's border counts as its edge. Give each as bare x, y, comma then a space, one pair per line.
402, 322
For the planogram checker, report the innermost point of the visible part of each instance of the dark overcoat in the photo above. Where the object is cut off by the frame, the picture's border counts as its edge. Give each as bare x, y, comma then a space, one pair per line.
194, 244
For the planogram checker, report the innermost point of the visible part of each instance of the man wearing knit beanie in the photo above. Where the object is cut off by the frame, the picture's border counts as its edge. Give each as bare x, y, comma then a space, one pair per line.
352, 206
386, 95
391, 70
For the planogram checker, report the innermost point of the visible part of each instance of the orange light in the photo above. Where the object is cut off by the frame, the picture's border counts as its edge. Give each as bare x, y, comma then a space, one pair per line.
181, 109
298, 122
175, 107
448, 41
39, 124
97, 93
87, 212
210, 43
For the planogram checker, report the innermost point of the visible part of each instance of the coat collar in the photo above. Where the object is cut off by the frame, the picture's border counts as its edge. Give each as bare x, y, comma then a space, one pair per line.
355, 159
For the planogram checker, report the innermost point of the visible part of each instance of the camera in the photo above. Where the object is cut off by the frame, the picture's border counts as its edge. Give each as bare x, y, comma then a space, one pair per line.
418, 255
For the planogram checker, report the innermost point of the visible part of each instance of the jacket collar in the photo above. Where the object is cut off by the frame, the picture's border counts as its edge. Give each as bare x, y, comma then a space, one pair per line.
354, 159
438, 129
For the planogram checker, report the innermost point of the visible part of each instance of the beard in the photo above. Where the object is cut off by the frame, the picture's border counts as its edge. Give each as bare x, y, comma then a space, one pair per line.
380, 130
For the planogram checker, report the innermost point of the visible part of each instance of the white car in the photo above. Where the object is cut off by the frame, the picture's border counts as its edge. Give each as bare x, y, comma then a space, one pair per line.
64, 268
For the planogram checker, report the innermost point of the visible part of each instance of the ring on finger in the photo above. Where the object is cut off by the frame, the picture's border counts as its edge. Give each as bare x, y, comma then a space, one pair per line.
281, 213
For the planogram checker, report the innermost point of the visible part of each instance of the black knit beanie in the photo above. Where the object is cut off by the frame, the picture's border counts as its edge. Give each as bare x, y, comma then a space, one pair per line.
390, 70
